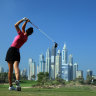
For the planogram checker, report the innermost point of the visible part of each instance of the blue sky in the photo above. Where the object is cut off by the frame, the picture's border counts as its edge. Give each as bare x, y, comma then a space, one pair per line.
67, 21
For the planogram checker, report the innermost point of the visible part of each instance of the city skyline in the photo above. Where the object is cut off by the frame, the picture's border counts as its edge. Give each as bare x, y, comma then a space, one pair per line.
73, 22
71, 71
43, 64
64, 67
57, 65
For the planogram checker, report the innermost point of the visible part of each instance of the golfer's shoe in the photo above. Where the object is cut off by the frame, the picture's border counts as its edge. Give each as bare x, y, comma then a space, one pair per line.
12, 88
18, 88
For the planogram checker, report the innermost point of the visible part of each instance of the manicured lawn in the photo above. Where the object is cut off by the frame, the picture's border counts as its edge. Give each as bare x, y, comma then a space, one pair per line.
64, 91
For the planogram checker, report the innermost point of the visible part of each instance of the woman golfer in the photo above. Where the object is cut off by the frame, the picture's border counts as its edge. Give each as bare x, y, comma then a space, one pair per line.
13, 54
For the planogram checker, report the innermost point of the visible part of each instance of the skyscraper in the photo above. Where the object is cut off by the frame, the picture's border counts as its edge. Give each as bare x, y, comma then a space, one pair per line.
65, 65
37, 68
24, 72
58, 64
79, 74
64, 55
89, 73
48, 61
41, 63
70, 67
70, 59
75, 68
53, 54
65, 72
37, 71
1, 69
32, 69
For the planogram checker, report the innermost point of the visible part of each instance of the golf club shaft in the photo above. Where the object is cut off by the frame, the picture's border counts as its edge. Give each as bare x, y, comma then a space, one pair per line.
43, 32
34, 25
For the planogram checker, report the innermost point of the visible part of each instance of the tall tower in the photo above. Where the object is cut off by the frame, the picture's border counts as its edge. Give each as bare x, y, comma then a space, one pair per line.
75, 68
48, 61
89, 73
1, 70
24, 72
70, 67
37, 68
37, 71
58, 64
70, 59
65, 65
41, 63
32, 69
64, 55
79, 74
53, 54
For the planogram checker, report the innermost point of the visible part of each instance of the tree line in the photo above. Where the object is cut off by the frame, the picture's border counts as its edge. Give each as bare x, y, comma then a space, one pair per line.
43, 79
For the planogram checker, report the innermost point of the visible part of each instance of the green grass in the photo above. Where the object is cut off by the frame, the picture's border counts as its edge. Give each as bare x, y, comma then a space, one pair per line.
27, 83
64, 91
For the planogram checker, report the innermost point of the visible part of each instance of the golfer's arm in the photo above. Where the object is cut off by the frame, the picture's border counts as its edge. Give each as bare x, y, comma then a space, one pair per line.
17, 25
23, 27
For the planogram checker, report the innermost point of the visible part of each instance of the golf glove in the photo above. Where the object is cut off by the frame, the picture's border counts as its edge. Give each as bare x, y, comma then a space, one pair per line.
25, 19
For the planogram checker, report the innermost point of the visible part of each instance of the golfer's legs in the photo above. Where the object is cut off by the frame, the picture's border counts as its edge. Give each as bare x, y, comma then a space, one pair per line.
10, 73
16, 68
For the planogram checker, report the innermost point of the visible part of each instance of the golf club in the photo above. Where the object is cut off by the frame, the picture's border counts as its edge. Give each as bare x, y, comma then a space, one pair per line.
55, 44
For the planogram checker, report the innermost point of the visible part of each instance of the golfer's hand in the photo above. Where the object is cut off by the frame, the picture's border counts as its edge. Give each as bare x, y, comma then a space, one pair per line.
28, 20
25, 19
